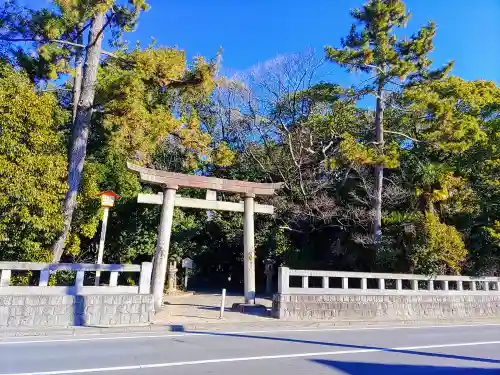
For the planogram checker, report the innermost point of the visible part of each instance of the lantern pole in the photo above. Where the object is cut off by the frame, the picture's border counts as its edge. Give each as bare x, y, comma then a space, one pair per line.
107, 201
100, 254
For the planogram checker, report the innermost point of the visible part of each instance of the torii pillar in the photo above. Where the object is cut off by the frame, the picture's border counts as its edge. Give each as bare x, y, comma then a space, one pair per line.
163, 245
170, 182
249, 249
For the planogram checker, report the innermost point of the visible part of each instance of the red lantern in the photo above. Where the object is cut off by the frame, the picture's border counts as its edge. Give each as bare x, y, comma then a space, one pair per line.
108, 198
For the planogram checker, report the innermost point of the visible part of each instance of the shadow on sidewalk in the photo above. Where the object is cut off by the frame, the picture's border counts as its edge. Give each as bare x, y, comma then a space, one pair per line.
79, 311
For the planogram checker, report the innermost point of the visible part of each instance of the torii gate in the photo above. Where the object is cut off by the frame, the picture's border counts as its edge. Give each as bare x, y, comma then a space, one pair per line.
170, 182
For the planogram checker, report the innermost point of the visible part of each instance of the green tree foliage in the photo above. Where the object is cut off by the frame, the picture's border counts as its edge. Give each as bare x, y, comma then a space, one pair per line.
65, 25
57, 33
137, 97
440, 248
149, 96
433, 141
32, 168
452, 112
376, 50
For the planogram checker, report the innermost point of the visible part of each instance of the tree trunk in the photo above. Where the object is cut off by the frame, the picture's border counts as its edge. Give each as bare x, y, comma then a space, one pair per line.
77, 86
80, 131
379, 168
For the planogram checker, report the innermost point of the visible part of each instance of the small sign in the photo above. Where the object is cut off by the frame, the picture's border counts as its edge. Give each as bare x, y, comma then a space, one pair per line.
108, 198
187, 263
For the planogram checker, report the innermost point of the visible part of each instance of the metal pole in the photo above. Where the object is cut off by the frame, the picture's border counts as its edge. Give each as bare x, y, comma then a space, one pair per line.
162, 246
249, 249
100, 254
222, 304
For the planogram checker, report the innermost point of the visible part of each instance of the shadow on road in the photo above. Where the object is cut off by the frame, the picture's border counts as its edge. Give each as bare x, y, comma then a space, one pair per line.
354, 346
360, 368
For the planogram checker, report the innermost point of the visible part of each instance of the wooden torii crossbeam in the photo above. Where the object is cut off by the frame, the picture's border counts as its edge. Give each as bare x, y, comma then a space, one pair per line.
170, 182
206, 204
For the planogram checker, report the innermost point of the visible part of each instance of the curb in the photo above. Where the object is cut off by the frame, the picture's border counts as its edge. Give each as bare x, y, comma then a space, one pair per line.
71, 331
225, 326
298, 325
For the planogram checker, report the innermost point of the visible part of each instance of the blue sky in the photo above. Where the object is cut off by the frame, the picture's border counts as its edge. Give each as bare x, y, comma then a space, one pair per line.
254, 31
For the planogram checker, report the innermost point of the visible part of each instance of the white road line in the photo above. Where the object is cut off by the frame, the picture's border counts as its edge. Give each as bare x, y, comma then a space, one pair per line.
244, 359
141, 335
26, 342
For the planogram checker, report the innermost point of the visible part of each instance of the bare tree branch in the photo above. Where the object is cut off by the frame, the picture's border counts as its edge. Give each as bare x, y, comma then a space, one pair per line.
402, 135
55, 89
65, 42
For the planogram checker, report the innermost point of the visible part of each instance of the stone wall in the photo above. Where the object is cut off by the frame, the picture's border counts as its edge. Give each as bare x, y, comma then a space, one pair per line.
64, 311
386, 308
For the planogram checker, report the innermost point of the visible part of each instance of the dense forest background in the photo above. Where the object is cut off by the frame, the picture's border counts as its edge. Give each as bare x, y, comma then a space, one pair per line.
408, 184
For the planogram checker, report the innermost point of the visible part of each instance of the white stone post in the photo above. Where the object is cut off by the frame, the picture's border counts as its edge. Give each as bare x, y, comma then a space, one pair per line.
145, 278
80, 276
102, 240
113, 278
445, 285
249, 249
5, 277
414, 284
305, 282
162, 246
283, 280
326, 282
44, 278
345, 283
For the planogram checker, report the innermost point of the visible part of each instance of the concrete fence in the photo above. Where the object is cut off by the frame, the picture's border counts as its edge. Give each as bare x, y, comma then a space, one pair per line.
335, 282
46, 269
333, 295
43, 305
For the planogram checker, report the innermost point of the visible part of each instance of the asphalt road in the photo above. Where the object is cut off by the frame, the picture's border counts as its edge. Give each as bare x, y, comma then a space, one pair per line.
441, 350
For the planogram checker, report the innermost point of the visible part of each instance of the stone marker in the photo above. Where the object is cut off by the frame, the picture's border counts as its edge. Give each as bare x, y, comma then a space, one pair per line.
172, 277
269, 272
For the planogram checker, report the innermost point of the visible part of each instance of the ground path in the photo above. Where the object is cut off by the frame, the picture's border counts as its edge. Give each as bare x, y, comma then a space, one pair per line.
205, 308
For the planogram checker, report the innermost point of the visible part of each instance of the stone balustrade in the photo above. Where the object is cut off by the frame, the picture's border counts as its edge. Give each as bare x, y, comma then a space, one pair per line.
336, 282
384, 297
46, 269
45, 305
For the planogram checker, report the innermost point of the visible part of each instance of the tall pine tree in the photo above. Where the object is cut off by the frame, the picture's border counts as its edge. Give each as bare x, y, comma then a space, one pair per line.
373, 48
58, 35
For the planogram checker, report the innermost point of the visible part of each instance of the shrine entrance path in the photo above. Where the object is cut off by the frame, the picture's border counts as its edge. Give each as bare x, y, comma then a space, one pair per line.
205, 308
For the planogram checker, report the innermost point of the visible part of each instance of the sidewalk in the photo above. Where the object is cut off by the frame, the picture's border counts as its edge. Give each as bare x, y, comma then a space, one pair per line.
205, 308
224, 326
181, 312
